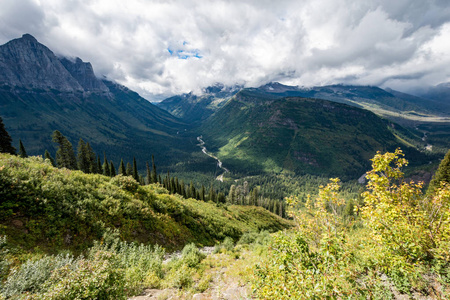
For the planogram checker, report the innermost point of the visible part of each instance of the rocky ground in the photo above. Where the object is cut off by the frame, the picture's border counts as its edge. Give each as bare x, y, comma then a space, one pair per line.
229, 279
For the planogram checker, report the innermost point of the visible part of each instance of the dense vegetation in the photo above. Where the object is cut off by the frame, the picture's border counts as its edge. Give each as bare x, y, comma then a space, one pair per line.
59, 209
398, 243
300, 135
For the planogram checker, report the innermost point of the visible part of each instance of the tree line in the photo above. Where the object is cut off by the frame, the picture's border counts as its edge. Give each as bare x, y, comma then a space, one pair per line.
87, 161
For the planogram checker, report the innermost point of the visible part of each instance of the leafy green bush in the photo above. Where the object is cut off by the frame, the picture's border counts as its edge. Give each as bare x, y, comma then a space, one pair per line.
31, 275
96, 278
402, 248
191, 255
254, 238
4, 259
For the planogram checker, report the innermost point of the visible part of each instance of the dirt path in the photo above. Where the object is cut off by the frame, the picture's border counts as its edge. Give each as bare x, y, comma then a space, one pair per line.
226, 282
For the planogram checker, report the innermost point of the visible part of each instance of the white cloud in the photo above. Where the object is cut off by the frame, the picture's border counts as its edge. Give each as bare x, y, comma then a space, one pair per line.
166, 47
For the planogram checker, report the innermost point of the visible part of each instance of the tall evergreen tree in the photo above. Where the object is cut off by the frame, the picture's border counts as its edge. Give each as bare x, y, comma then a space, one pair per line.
122, 169
49, 157
232, 195
92, 159
221, 197
182, 189
212, 194
442, 174
129, 170
65, 156
105, 167
149, 175
112, 170
172, 187
203, 193
83, 158
5, 140
135, 171
193, 192
99, 165
154, 174
22, 152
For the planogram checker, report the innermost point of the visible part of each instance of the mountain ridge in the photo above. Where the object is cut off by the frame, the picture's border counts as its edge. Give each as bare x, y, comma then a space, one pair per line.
300, 135
40, 93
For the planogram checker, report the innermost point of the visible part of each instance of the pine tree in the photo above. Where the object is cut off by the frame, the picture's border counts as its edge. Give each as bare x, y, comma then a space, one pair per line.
232, 195
193, 192
149, 175
92, 159
112, 169
182, 189
135, 171
5, 140
221, 197
442, 174
122, 169
83, 157
105, 167
129, 170
212, 194
49, 157
172, 188
154, 174
99, 166
203, 193
22, 152
65, 157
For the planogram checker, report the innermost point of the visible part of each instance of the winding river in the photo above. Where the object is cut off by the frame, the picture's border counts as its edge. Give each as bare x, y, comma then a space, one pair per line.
219, 163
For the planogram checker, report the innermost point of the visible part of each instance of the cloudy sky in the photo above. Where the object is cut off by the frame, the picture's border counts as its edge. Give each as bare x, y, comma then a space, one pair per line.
161, 48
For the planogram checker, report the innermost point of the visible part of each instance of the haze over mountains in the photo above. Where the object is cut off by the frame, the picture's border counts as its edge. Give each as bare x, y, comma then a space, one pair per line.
273, 128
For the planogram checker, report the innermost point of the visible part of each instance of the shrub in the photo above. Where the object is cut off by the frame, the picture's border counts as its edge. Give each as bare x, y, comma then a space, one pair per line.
31, 275
95, 278
191, 255
4, 261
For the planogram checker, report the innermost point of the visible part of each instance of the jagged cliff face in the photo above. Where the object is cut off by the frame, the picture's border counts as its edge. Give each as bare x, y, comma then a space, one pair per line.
26, 63
84, 74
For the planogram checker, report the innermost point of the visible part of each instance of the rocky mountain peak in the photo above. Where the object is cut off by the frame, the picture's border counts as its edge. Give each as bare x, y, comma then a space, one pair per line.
26, 63
84, 74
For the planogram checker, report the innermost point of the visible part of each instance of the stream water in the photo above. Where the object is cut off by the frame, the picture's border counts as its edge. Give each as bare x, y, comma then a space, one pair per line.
219, 163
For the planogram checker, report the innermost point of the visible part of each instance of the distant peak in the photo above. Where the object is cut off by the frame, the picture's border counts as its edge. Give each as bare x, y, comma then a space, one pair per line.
28, 36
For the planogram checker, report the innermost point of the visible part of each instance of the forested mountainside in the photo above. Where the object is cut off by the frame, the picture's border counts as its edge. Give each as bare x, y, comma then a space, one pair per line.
40, 93
300, 135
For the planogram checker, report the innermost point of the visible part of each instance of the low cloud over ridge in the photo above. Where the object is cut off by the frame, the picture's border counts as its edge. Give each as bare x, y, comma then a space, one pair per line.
159, 48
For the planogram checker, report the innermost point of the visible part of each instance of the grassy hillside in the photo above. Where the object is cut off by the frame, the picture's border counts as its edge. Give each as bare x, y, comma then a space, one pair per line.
300, 135
53, 209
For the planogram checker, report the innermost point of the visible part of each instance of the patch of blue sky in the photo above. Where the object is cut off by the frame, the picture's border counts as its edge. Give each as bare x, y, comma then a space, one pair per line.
185, 54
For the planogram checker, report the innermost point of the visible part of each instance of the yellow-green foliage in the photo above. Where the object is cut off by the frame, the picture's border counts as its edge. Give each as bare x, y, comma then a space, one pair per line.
404, 220
57, 208
403, 247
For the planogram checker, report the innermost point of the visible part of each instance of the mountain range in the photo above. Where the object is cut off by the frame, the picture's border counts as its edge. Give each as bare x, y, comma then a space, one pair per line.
331, 130
40, 93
